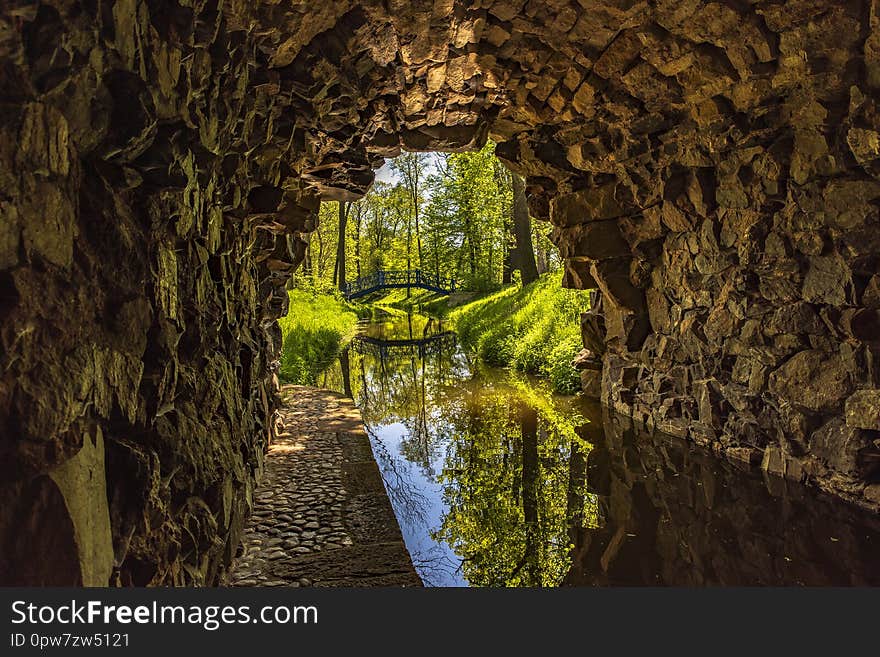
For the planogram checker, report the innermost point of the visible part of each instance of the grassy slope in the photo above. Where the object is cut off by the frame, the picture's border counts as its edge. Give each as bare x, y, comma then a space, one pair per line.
314, 330
534, 329
420, 301
423, 301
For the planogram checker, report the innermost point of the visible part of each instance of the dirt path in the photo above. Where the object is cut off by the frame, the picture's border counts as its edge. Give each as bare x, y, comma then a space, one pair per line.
321, 515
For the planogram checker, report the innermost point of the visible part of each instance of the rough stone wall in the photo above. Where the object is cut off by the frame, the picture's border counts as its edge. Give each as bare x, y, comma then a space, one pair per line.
139, 291
737, 246
711, 167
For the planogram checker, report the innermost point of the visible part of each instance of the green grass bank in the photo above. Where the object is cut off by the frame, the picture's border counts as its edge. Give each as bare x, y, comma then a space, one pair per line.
534, 329
315, 329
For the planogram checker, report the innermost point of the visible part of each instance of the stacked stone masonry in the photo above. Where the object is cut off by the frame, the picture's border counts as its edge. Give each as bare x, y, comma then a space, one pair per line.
713, 168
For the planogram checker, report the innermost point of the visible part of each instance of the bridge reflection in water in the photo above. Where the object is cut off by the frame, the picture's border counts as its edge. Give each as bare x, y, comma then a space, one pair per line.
419, 347
496, 482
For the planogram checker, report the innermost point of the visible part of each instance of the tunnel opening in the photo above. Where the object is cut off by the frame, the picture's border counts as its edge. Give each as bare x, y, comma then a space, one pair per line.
712, 170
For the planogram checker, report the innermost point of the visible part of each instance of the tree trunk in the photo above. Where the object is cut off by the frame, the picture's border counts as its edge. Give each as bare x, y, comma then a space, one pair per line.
319, 270
408, 253
411, 168
507, 268
543, 264
522, 229
509, 263
345, 365
339, 271
307, 261
437, 256
530, 477
357, 238
418, 230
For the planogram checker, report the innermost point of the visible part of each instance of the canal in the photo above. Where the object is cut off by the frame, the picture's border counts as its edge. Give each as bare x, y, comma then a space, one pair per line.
497, 482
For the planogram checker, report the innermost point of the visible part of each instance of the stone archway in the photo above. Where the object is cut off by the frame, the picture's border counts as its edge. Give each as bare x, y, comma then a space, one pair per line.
712, 167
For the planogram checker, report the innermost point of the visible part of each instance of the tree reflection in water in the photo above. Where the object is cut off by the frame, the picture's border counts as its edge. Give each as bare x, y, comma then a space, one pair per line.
508, 487
476, 462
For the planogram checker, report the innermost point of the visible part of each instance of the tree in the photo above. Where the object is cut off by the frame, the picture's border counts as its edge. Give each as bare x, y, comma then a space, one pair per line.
466, 213
503, 177
522, 229
339, 271
360, 208
319, 272
461, 216
411, 168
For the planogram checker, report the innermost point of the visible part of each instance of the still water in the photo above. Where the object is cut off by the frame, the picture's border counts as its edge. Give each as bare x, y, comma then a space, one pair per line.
497, 482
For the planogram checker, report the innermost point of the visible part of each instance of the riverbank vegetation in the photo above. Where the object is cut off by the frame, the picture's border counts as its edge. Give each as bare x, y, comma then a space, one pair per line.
314, 331
534, 329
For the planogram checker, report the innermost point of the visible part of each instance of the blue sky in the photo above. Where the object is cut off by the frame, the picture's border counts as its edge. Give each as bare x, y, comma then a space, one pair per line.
386, 174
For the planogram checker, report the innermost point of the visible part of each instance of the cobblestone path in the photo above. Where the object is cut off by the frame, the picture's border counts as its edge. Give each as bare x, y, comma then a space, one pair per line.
321, 515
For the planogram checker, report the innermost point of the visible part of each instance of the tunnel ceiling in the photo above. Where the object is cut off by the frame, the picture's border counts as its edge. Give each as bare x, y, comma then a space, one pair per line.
711, 167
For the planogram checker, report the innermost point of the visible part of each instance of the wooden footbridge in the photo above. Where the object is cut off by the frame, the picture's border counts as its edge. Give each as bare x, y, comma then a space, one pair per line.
397, 278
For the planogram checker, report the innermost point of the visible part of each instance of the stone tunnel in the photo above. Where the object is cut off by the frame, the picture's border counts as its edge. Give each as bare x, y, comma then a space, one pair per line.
712, 168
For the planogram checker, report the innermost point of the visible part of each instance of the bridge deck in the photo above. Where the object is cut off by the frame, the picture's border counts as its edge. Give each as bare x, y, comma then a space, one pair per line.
390, 279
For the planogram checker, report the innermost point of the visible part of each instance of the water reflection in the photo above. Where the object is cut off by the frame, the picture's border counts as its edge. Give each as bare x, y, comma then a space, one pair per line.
506, 486
496, 482
672, 514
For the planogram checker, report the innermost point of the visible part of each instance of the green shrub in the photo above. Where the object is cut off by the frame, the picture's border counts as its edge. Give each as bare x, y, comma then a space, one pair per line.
314, 330
563, 377
534, 329
498, 345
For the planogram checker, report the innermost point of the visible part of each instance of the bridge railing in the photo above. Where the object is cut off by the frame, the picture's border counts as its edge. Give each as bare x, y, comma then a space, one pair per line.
399, 278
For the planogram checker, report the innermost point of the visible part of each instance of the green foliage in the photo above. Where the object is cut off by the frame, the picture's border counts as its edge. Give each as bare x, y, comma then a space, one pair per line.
314, 330
563, 377
467, 216
534, 329
488, 489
